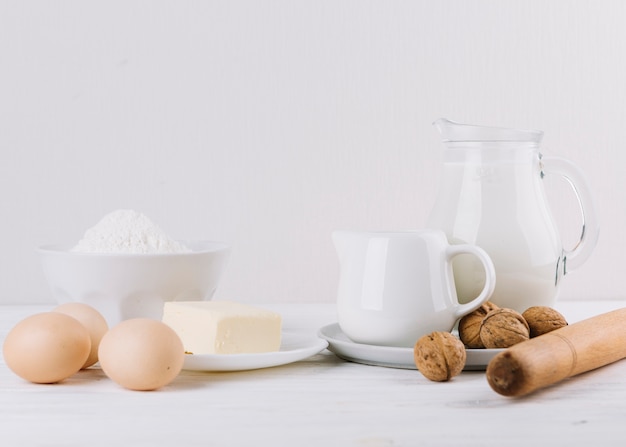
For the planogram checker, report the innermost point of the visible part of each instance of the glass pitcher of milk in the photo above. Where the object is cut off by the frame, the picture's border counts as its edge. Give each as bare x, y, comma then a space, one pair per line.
492, 195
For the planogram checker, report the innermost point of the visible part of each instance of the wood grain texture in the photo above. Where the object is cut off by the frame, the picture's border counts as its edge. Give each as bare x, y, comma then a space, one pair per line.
320, 401
563, 353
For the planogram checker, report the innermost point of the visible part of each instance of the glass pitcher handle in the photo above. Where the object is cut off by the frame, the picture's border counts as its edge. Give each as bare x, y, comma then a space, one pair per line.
574, 258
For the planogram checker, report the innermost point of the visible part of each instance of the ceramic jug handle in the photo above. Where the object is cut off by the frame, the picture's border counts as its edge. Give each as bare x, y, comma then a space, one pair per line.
490, 276
574, 258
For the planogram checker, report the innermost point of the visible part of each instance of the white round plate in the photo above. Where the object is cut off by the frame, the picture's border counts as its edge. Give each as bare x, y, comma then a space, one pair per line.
294, 347
392, 357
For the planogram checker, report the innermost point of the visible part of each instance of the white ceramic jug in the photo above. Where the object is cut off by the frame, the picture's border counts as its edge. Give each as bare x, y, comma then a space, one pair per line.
492, 195
395, 287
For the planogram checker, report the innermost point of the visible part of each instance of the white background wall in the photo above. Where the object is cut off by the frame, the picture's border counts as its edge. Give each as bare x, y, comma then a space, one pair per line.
268, 124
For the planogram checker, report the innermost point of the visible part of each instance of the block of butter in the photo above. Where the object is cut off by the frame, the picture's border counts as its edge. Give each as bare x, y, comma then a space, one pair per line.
223, 327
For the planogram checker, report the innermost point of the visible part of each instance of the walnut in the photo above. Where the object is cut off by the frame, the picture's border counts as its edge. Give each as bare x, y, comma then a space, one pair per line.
439, 356
543, 319
469, 326
502, 328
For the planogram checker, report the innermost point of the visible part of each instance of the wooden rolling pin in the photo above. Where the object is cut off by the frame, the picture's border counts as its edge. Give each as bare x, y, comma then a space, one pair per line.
557, 355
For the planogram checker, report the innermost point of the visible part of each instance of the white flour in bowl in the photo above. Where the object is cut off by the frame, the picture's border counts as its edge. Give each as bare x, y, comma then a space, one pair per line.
127, 231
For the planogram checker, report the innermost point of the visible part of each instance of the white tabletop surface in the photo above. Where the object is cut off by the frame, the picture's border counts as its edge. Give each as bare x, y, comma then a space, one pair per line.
320, 401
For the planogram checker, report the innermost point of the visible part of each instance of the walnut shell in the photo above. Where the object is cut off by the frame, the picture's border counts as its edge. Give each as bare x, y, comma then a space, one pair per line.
543, 319
502, 328
469, 326
439, 356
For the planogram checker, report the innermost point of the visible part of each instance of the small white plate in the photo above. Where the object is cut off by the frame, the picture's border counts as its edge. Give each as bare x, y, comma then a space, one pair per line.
294, 347
392, 357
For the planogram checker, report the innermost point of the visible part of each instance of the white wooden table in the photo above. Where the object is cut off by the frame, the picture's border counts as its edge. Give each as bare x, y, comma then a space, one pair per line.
321, 401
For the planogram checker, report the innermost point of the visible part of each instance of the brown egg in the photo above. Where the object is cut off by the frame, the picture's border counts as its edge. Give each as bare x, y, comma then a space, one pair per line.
141, 354
93, 321
46, 347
